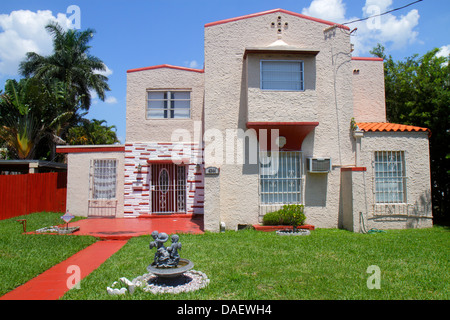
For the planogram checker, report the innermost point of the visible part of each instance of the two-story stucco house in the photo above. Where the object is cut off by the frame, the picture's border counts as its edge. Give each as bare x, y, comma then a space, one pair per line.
281, 113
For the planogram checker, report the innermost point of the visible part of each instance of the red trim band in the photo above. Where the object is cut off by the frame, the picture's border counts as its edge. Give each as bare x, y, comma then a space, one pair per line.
354, 169
87, 149
367, 59
274, 11
166, 66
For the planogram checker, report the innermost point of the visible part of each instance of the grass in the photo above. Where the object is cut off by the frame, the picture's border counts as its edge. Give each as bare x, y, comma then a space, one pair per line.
249, 265
23, 257
328, 264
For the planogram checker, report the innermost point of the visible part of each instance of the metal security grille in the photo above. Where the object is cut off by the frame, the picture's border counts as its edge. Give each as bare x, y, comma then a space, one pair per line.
102, 192
168, 188
390, 177
280, 177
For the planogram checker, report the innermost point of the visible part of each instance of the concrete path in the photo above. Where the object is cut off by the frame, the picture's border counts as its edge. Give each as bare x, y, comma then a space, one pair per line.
55, 282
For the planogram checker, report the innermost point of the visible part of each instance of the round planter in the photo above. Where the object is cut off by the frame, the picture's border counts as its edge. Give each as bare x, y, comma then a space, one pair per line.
299, 232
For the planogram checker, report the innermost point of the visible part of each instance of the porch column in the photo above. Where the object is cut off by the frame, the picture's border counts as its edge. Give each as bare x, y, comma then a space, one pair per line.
211, 216
354, 190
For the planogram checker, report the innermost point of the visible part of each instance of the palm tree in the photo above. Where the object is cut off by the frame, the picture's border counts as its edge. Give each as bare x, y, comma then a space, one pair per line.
71, 64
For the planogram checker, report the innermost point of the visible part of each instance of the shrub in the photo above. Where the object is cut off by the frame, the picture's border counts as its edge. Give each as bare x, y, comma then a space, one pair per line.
289, 215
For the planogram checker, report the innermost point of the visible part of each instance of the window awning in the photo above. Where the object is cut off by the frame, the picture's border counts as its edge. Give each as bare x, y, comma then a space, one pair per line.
280, 50
293, 132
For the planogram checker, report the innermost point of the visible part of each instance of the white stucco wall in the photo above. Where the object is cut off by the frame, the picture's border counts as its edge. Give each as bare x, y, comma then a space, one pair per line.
139, 128
368, 90
229, 105
418, 182
78, 180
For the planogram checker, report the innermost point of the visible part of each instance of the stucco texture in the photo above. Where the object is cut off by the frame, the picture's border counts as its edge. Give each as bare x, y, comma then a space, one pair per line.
79, 181
368, 91
233, 97
139, 127
416, 212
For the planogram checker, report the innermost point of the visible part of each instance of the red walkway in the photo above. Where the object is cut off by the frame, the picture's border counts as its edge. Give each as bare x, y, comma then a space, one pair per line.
125, 228
55, 282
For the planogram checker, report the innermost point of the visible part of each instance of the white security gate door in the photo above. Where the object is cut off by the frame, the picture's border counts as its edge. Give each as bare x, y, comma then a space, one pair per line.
168, 188
102, 200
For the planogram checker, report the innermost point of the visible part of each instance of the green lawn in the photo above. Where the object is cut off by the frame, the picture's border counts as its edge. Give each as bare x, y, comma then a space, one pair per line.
328, 264
23, 257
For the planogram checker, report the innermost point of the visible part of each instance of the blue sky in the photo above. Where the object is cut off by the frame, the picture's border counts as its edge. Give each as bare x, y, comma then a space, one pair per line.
139, 33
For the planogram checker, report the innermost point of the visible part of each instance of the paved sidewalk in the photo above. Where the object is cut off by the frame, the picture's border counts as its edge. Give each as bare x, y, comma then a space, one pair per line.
53, 283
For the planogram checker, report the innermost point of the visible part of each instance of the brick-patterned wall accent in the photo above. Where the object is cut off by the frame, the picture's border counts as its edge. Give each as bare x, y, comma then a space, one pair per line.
138, 200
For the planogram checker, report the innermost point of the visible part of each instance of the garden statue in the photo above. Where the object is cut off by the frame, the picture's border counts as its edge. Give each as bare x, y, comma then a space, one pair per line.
165, 257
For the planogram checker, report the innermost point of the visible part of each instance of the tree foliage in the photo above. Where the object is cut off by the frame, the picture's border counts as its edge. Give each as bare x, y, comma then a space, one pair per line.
418, 93
71, 64
37, 112
92, 132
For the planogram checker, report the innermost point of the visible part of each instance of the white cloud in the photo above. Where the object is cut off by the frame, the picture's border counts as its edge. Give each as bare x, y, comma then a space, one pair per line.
23, 31
106, 73
332, 10
382, 5
192, 64
444, 51
111, 100
393, 31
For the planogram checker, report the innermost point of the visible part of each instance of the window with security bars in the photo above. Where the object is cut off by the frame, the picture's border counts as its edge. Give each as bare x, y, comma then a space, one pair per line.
282, 75
104, 179
390, 177
280, 177
168, 104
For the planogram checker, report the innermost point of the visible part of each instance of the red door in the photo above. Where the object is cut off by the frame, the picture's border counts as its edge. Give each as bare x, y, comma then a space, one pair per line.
168, 188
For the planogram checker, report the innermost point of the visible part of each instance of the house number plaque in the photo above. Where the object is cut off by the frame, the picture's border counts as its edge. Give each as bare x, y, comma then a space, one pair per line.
212, 171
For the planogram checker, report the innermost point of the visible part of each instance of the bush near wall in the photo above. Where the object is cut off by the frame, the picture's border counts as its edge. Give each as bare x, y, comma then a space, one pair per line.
289, 215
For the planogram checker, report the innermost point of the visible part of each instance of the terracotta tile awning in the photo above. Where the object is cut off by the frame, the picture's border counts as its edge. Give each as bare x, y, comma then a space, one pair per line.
294, 132
387, 127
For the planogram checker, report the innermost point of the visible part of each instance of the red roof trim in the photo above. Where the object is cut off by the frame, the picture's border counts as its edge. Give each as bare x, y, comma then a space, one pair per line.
87, 149
273, 11
367, 59
166, 66
276, 124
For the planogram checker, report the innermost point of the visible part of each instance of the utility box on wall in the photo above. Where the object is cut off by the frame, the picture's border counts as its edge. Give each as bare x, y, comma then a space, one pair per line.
318, 165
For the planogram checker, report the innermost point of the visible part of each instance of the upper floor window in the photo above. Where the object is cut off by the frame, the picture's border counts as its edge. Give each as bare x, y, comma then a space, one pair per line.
168, 104
282, 75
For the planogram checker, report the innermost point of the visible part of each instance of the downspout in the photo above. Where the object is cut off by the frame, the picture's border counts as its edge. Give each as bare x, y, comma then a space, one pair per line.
358, 134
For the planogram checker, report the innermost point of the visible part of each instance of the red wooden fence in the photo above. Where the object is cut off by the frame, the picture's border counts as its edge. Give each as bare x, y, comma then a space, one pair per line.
27, 193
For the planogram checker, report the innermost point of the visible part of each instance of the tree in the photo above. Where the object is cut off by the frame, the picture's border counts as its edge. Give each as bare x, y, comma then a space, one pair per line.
21, 127
71, 64
418, 93
92, 132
